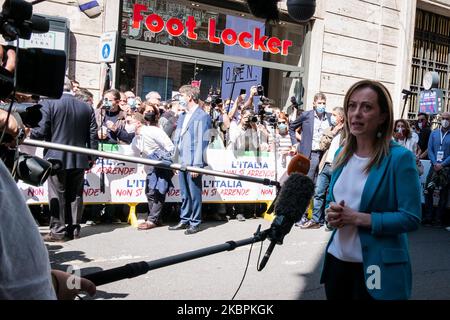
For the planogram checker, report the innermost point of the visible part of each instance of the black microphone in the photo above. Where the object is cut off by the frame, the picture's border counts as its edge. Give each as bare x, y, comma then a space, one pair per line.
292, 202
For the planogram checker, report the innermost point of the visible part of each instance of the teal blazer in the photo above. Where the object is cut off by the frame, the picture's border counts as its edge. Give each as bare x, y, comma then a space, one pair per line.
391, 196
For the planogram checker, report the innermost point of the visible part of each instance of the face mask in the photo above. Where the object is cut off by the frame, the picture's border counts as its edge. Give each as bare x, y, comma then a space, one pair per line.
130, 128
420, 125
400, 130
131, 102
183, 102
333, 120
216, 114
320, 108
282, 128
445, 124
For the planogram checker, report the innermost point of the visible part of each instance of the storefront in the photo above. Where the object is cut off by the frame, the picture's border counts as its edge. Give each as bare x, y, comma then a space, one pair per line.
165, 45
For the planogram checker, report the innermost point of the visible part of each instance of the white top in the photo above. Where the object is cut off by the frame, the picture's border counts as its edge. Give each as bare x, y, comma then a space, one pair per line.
24, 263
409, 143
243, 140
319, 128
346, 245
150, 139
187, 117
333, 148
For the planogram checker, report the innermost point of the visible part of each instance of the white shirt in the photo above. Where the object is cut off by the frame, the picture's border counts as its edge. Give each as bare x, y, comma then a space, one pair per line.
243, 140
187, 117
150, 139
333, 148
319, 128
409, 143
346, 244
24, 262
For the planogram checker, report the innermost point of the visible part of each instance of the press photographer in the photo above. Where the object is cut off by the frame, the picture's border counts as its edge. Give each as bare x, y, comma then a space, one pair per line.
219, 119
248, 135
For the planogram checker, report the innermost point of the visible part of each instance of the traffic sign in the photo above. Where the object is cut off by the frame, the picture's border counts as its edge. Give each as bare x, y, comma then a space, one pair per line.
107, 47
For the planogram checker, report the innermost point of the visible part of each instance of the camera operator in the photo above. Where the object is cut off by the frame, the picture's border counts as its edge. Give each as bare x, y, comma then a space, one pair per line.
235, 112
248, 135
219, 119
24, 264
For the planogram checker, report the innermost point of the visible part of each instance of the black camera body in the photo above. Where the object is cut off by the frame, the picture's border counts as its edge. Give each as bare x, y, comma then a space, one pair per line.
38, 72
260, 90
107, 105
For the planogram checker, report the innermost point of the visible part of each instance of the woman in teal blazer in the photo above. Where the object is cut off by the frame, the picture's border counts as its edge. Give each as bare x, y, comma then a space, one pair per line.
373, 201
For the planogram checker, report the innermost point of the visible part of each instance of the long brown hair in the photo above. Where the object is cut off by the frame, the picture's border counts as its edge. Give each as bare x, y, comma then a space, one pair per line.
384, 135
407, 133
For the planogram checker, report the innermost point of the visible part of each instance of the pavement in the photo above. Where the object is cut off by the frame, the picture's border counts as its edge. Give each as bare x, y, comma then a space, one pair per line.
292, 272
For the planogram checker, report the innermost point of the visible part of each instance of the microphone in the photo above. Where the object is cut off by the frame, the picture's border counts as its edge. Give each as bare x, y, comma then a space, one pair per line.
298, 164
90, 8
39, 24
299, 10
292, 202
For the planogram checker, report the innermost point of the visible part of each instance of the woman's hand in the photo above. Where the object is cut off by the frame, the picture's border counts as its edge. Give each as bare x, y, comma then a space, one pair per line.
339, 215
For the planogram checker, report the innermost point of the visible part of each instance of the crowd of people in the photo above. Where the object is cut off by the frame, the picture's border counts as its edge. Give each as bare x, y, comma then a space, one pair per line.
156, 129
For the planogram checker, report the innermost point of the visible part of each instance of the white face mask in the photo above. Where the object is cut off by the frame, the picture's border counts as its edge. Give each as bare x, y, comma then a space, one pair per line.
130, 128
420, 125
445, 123
400, 130
183, 102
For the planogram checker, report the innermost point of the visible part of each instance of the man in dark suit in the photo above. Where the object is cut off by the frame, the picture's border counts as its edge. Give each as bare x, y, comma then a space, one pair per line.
191, 140
68, 121
312, 124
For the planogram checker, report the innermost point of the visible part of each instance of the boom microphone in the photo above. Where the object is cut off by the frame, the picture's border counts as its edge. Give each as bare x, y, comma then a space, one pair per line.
292, 202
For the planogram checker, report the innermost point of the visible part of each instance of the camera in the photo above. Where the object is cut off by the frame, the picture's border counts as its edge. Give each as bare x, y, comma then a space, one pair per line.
38, 72
30, 113
107, 105
260, 90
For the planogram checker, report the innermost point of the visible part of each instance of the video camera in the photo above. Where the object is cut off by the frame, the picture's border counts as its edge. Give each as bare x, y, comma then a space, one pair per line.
264, 115
107, 105
38, 72
214, 99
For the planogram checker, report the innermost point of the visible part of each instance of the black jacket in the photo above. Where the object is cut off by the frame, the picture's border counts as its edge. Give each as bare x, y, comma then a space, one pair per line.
67, 121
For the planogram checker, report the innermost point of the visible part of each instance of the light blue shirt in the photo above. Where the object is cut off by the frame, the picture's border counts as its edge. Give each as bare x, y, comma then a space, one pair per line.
435, 145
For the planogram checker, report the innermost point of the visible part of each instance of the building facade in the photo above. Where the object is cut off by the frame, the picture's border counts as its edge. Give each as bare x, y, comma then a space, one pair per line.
394, 41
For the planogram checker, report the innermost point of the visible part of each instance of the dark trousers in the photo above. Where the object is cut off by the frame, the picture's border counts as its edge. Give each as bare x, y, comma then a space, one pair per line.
191, 199
345, 280
65, 193
155, 201
430, 215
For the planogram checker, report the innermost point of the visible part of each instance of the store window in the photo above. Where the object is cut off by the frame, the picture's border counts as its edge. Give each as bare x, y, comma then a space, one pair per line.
168, 57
